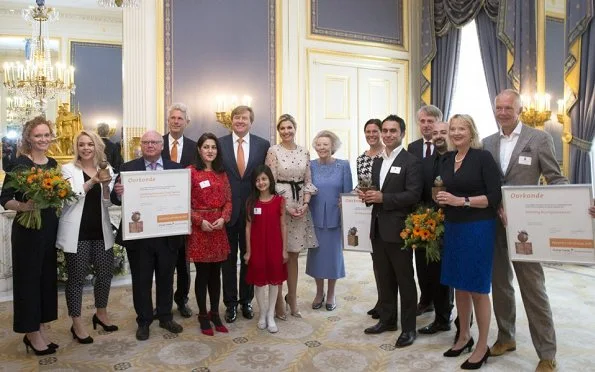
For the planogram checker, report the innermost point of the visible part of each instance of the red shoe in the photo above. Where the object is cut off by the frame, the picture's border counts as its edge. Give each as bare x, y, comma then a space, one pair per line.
214, 317
205, 325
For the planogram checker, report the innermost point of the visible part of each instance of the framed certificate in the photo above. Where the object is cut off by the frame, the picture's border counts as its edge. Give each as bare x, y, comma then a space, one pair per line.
549, 223
355, 224
155, 203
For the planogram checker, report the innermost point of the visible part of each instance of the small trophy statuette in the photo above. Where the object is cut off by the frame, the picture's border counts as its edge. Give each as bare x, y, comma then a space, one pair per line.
438, 186
103, 172
365, 184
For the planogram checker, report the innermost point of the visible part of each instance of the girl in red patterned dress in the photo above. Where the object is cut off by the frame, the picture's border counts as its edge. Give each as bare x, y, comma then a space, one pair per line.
266, 248
208, 246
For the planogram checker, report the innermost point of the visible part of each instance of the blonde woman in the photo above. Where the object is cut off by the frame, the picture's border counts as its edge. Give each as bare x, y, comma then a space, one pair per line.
85, 234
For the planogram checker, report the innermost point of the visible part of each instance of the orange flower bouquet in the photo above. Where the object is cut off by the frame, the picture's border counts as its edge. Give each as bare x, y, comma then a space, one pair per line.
423, 229
47, 188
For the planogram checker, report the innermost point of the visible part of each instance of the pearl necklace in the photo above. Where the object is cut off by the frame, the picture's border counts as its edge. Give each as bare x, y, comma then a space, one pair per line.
458, 161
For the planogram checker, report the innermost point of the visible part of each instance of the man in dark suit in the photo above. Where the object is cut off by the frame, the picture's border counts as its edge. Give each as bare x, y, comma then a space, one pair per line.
524, 155
241, 152
423, 148
399, 181
112, 150
181, 150
152, 255
440, 295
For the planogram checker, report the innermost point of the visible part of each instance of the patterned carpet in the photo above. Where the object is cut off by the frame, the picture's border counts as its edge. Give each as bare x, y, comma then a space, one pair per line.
321, 341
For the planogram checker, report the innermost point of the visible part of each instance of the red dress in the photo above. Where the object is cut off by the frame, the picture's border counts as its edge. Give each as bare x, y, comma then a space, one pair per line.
266, 244
210, 199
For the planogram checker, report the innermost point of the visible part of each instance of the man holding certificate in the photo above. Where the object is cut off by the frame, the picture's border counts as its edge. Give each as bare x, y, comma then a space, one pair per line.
524, 154
157, 255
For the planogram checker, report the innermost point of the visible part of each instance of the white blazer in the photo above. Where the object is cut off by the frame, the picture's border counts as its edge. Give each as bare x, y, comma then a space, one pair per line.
72, 213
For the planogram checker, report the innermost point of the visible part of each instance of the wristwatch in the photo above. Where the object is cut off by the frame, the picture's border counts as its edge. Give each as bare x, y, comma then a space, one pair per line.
467, 203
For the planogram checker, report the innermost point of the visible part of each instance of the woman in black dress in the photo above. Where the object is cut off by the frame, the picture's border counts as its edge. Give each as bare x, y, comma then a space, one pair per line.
33, 251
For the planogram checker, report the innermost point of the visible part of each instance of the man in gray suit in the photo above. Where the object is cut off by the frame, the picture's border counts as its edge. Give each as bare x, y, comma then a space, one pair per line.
524, 154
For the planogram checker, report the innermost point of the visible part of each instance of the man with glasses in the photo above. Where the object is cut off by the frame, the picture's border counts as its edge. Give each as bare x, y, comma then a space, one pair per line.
152, 255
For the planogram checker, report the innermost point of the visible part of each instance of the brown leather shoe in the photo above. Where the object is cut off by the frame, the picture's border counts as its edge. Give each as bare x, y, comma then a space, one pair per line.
546, 366
500, 348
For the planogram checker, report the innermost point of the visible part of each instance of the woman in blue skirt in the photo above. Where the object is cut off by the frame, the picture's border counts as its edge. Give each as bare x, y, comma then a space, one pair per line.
472, 196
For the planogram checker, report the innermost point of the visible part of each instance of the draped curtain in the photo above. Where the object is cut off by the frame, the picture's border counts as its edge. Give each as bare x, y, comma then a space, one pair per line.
444, 70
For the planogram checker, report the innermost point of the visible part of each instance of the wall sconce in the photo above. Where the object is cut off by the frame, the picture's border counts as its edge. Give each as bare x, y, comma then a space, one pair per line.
225, 104
536, 110
561, 111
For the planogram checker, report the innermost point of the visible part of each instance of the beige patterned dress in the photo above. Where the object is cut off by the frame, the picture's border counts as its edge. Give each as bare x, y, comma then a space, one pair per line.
291, 169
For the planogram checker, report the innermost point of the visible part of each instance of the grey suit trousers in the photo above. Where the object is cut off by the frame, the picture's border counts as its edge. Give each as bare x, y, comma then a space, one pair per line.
531, 281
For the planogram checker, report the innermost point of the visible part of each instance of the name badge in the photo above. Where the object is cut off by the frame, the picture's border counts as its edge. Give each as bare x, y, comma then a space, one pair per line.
396, 170
257, 211
204, 184
525, 160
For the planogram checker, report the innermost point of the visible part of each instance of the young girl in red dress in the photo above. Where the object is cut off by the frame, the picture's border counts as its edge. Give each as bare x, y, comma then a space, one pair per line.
266, 248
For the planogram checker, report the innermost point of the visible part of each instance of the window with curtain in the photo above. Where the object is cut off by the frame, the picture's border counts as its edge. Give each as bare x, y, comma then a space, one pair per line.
470, 94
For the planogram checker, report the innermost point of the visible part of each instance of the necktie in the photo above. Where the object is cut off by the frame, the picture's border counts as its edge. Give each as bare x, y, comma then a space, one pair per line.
428, 149
153, 166
174, 152
240, 159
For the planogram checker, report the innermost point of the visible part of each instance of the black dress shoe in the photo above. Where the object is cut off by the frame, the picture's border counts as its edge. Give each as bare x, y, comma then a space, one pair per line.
380, 327
434, 327
247, 311
142, 333
406, 339
185, 311
231, 314
424, 308
171, 326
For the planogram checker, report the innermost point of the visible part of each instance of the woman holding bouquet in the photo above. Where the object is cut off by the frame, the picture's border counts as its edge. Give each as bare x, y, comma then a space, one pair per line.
33, 250
472, 196
85, 232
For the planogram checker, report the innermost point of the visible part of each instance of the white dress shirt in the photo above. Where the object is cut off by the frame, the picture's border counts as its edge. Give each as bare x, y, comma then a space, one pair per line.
425, 147
387, 161
245, 146
180, 146
507, 144
159, 164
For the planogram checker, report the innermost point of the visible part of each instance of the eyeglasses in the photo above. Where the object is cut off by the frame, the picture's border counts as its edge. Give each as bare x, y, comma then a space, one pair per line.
152, 143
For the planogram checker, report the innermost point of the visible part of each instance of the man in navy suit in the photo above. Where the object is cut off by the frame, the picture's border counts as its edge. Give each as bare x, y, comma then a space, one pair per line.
152, 255
181, 150
242, 152
398, 178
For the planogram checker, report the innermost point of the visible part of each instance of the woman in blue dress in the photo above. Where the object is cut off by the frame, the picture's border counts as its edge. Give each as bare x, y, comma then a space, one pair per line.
332, 177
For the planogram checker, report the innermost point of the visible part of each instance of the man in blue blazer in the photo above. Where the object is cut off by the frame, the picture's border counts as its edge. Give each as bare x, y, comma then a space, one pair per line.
181, 150
398, 178
241, 152
152, 255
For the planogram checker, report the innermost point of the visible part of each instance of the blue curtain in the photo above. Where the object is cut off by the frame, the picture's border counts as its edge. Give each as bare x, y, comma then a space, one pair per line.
444, 68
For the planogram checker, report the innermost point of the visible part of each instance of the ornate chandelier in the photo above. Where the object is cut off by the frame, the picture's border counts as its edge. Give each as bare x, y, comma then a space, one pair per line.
19, 110
118, 3
36, 79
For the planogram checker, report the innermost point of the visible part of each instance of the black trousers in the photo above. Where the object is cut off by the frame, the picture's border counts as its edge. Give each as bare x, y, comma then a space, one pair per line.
34, 279
182, 278
421, 268
236, 234
155, 257
441, 295
395, 276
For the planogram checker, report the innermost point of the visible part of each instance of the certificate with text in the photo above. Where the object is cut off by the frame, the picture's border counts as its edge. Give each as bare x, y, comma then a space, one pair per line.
155, 203
355, 224
549, 223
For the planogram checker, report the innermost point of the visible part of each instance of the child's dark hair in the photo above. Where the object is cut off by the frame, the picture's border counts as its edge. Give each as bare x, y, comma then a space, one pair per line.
198, 163
254, 193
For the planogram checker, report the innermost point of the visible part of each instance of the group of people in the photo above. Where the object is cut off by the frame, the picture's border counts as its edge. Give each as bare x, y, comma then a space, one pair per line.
265, 204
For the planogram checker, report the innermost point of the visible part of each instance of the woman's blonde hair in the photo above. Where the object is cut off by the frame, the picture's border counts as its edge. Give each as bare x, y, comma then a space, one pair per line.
468, 121
24, 147
99, 147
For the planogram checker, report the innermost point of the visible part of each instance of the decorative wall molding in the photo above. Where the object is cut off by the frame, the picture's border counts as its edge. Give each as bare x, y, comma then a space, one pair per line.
65, 15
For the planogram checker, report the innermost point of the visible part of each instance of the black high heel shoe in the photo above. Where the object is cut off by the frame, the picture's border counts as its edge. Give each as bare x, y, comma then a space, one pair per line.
477, 365
455, 353
53, 345
107, 328
28, 344
86, 340
318, 305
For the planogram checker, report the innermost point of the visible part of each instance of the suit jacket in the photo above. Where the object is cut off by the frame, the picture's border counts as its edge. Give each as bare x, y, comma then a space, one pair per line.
400, 192
417, 148
173, 242
533, 144
72, 213
241, 186
431, 169
188, 151
112, 154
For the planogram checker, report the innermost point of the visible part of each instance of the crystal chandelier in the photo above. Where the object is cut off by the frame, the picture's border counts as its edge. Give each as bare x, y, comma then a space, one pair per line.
36, 79
118, 3
19, 110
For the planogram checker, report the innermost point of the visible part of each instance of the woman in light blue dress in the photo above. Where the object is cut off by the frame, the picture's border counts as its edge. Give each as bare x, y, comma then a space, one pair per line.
332, 177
